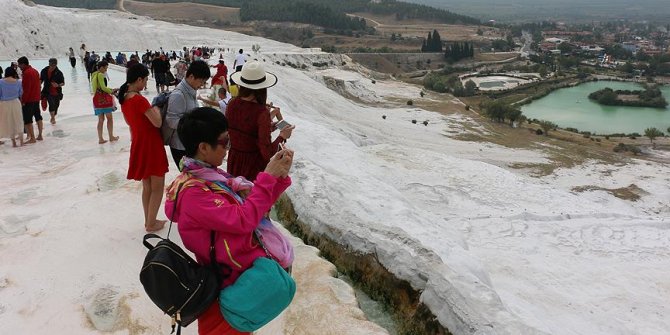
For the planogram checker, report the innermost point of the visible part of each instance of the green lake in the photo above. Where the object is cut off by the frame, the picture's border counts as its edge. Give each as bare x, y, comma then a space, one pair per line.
571, 107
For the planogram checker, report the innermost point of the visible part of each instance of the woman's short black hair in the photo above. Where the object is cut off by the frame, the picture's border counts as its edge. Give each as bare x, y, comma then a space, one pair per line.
11, 72
201, 125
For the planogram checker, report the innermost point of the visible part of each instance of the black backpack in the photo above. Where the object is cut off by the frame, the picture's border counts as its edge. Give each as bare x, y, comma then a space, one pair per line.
176, 283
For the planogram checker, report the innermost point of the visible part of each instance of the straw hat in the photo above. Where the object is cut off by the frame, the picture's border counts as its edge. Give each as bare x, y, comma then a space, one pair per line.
253, 76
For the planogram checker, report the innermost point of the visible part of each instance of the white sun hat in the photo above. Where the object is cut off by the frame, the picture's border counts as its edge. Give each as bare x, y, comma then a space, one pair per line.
253, 76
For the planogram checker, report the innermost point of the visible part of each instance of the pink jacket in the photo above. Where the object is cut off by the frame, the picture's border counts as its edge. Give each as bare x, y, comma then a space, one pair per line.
199, 211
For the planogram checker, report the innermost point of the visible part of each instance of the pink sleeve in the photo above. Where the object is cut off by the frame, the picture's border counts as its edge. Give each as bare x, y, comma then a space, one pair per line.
281, 186
214, 212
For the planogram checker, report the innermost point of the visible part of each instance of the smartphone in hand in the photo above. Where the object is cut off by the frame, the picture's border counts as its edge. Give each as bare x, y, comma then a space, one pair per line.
282, 124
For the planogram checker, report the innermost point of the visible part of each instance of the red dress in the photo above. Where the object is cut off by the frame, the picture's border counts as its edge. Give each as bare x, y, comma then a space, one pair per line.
221, 71
147, 154
249, 128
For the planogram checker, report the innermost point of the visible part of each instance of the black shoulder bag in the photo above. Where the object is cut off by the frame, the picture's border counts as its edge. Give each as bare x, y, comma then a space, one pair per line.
175, 282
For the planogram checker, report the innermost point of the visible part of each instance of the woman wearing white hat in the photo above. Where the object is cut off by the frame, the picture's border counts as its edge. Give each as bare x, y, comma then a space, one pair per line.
250, 125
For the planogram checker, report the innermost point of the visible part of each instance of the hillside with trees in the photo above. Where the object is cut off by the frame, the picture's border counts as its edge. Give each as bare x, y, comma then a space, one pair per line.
332, 14
88, 4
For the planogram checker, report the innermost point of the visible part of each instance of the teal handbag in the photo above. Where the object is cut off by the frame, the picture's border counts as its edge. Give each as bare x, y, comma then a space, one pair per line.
258, 296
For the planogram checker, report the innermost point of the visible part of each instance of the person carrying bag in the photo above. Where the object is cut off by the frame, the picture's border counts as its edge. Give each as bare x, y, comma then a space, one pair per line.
233, 207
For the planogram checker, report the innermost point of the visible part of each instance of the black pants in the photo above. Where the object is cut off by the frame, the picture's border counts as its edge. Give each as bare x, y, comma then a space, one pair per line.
54, 103
73, 61
177, 155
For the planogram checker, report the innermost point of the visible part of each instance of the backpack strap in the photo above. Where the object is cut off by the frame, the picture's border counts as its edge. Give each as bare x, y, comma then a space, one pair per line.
216, 267
146, 242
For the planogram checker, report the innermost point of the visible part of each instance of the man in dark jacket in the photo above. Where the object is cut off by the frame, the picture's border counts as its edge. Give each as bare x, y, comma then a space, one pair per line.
52, 80
161, 66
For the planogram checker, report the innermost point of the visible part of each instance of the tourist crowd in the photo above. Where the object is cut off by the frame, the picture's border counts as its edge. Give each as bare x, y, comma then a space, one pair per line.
234, 202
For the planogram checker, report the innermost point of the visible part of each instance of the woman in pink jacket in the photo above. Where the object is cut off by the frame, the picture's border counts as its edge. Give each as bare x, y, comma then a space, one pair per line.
209, 199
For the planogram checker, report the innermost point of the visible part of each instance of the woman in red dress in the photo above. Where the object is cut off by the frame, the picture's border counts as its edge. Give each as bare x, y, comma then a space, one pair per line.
249, 123
148, 161
221, 76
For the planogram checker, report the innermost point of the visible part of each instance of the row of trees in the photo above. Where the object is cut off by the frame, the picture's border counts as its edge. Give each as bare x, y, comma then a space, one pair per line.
457, 51
433, 43
499, 111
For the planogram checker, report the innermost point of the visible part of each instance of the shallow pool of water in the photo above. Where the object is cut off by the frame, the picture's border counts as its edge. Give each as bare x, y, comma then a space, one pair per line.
571, 107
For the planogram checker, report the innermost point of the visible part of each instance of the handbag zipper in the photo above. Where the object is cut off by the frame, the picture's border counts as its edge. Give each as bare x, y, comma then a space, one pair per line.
165, 266
190, 297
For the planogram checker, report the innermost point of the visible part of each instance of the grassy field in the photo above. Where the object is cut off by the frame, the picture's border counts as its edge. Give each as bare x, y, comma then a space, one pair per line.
387, 25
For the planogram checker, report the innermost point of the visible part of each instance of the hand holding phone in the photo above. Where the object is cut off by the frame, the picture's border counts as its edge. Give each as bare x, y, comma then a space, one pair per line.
282, 124
280, 164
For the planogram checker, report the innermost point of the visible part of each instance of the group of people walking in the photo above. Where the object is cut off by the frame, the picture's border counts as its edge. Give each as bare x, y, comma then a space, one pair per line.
22, 91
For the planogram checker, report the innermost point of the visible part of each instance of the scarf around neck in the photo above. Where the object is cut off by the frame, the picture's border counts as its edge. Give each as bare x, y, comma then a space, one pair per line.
215, 178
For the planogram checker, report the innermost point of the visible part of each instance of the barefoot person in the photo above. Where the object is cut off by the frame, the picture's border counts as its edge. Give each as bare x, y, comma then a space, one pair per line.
11, 120
53, 80
148, 161
99, 83
30, 99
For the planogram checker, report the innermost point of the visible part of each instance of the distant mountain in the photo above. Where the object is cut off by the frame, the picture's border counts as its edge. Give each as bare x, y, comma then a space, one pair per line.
573, 10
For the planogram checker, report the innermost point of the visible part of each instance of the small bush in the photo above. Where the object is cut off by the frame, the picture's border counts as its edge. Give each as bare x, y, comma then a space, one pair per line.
598, 140
634, 149
539, 132
374, 81
467, 107
620, 148
410, 102
414, 121
574, 130
607, 137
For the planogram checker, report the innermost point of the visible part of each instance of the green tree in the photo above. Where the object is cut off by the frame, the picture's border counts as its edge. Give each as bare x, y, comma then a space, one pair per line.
436, 45
512, 114
565, 48
470, 88
653, 133
627, 68
546, 126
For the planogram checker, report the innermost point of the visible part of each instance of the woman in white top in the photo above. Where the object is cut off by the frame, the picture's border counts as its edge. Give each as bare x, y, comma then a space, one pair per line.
82, 53
11, 118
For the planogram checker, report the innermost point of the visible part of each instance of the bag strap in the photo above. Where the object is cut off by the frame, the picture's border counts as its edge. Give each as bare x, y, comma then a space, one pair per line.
146, 242
174, 208
212, 238
260, 242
